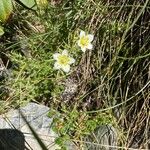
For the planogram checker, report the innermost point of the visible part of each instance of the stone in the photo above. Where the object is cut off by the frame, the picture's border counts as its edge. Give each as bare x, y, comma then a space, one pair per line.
15, 134
36, 115
103, 138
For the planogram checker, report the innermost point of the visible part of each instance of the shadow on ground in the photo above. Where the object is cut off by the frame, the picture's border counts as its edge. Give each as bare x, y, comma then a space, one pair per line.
11, 139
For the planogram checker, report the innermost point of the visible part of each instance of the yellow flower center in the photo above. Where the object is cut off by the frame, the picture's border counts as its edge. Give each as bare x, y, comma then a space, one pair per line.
63, 60
84, 40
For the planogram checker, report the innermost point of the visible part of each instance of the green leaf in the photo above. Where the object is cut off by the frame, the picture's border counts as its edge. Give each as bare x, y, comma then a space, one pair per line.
29, 3
32, 4
1, 31
6, 9
41, 3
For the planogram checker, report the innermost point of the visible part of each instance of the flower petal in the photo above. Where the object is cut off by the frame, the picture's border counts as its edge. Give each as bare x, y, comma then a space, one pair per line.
56, 55
83, 49
57, 66
82, 33
91, 37
79, 43
72, 60
89, 46
66, 68
64, 52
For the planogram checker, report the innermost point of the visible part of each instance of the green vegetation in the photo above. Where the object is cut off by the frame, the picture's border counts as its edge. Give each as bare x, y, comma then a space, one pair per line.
112, 79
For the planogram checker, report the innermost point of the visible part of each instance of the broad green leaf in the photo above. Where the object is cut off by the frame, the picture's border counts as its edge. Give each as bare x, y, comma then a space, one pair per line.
6, 9
29, 3
1, 31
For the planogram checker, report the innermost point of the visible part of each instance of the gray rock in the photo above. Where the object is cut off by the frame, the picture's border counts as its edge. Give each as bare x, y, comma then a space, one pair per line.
36, 115
15, 134
103, 138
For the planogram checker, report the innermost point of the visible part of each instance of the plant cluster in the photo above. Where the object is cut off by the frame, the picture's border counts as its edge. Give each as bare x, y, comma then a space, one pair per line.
109, 66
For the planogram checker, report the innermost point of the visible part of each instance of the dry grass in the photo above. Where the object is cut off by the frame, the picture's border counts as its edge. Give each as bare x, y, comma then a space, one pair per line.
113, 80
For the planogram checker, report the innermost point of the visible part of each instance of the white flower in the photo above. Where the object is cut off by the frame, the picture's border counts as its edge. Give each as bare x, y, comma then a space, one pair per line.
85, 41
63, 61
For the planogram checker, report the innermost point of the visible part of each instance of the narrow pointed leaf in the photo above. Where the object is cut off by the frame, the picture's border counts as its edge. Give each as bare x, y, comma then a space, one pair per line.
1, 31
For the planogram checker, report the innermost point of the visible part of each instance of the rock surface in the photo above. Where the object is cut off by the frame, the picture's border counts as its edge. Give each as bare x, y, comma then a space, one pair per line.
36, 115
103, 138
15, 134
